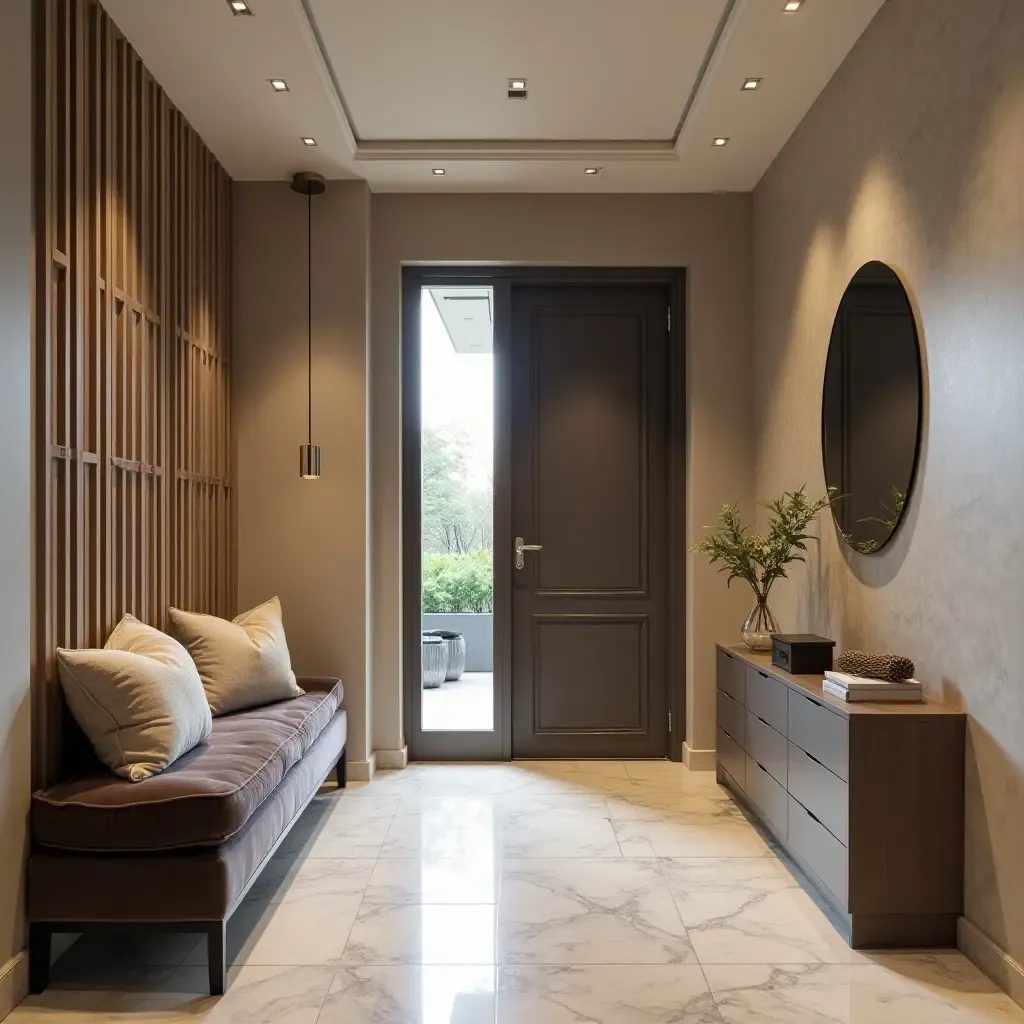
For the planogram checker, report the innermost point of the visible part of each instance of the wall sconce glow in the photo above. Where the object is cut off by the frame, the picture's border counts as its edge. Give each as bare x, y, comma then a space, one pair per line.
308, 140
750, 84
239, 7
592, 171
792, 6
438, 171
278, 84
720, 141
517, 88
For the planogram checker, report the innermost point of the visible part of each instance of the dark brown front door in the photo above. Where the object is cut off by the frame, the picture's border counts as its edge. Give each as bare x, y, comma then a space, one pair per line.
589, 485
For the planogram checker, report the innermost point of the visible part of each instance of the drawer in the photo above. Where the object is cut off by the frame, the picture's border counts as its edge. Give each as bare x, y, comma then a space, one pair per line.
822, 733
819, 850
730, 675
767, 794
732, 717
769, 748
825, 795
766, 697
731, 757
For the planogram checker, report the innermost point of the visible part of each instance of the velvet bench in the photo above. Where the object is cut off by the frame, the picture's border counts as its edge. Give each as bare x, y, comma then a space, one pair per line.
180, 850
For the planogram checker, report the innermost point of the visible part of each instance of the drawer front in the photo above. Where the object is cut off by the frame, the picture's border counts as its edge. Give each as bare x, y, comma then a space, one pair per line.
825, 795
768, 747
730, 675
766, 697
819, 850
732, 718
767, 794
731, 757
823, 734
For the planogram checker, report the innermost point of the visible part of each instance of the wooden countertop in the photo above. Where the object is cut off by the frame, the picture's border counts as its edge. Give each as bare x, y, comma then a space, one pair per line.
810, 686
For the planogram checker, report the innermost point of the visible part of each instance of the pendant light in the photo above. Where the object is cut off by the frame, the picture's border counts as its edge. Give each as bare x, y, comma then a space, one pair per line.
309, 184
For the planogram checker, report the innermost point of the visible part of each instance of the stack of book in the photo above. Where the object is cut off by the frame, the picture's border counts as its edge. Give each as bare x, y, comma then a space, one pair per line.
859, 688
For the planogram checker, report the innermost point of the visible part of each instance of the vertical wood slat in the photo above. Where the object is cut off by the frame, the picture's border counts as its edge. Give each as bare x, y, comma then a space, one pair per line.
134, 500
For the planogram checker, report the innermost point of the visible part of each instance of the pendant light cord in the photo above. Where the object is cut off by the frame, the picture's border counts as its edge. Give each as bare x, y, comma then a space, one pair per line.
309, 305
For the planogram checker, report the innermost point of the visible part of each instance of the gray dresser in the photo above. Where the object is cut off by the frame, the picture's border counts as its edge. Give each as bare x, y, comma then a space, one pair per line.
868, 799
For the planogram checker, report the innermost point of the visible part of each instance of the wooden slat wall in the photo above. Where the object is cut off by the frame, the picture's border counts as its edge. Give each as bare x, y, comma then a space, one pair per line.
133, 387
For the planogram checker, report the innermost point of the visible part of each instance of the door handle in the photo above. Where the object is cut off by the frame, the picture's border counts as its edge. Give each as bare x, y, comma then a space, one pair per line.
520, 547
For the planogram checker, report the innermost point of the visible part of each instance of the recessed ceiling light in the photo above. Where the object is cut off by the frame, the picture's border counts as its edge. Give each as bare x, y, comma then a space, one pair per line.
792, 6
278, 84
438, 171
750, 84
308, 140
591, 170
517, 88
239, 7
720, 141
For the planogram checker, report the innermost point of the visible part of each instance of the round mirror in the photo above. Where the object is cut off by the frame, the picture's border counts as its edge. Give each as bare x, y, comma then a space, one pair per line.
871, 408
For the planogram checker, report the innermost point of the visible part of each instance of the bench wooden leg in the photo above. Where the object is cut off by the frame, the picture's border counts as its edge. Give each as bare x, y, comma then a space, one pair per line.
39, 936
216, 956
342, 769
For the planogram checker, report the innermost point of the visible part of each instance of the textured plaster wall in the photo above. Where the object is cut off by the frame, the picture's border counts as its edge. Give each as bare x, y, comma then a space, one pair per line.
914, 154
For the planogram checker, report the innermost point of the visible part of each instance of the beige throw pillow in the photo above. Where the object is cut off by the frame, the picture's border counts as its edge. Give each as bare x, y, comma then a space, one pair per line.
242, 663
139, 699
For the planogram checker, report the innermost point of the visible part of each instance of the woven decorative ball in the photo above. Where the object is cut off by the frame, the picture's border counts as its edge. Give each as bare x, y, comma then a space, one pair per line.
891, 667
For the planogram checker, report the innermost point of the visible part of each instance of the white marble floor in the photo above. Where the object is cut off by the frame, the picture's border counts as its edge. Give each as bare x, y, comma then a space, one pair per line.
530, 893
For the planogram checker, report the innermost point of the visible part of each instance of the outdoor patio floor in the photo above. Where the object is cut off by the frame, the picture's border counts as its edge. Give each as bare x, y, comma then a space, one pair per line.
466, 704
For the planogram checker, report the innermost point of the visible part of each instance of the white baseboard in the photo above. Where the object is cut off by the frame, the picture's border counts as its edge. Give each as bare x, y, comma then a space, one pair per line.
362, 771
998, 965
13, 982
392, 760
698, 760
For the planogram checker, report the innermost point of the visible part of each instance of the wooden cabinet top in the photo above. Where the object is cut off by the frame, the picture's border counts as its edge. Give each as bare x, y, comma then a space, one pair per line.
810, 686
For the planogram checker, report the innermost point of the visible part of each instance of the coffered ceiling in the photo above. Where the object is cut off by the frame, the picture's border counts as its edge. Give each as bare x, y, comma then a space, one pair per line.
392, 90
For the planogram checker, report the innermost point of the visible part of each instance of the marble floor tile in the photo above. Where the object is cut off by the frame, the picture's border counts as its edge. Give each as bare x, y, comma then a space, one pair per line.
690, 836
445, 831
421, 934
578, 911
558, 834
339, 840
929, 989
306, 933
638, 994
740, 911
289, 879
430, 879
712, 806
411, 995
255, 995
101, 998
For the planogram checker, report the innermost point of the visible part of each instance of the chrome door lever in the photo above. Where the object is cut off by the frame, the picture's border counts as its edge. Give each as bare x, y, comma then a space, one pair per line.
520, 547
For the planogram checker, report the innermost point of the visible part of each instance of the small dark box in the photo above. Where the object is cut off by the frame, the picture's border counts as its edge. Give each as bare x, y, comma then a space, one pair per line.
802, 654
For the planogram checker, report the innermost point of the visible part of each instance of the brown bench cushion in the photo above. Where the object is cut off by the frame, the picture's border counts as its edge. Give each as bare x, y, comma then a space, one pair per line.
204, 797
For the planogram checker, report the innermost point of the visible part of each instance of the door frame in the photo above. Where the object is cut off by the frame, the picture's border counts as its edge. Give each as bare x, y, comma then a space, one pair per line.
462, 746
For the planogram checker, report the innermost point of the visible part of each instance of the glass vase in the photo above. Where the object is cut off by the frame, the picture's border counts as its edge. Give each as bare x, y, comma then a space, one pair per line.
759, 626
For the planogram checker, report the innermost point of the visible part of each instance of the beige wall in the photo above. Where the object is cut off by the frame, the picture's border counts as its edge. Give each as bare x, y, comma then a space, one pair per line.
914, 155
710, 236
305, 540
15, 472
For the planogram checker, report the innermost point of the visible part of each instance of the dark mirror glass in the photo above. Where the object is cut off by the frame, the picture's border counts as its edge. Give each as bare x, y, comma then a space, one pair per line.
871, 407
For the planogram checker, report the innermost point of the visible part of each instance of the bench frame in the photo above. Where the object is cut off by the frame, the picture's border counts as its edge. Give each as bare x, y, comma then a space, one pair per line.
40, 933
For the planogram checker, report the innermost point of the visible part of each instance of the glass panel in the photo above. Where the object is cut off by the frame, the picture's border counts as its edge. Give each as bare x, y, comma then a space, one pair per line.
457, 395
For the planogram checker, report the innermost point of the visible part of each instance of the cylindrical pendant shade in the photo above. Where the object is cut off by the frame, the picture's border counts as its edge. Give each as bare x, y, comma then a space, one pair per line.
309, 461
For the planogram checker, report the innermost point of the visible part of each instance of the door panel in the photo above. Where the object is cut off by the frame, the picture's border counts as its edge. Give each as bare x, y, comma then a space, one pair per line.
589, 475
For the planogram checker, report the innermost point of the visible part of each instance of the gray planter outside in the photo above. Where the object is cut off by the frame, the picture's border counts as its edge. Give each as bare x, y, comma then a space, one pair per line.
435, 662
478, 629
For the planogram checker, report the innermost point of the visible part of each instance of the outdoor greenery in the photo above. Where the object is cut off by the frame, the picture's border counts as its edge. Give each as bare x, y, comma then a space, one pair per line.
458, 582
761, 559
456, 518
